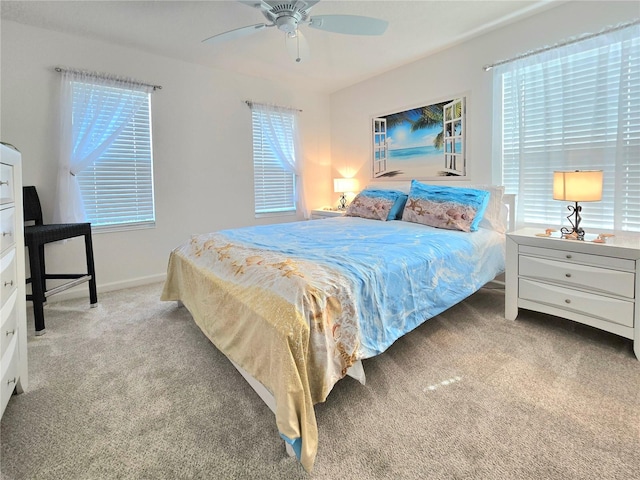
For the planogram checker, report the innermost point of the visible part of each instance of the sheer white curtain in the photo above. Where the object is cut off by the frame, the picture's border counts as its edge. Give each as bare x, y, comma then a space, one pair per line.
280, 129
94, 109
572, 107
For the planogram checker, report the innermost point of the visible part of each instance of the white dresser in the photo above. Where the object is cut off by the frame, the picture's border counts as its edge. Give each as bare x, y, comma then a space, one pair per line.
591, 283
13, 324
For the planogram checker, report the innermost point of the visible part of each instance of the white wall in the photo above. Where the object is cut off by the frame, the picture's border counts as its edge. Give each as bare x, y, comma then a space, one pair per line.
203, 166
457, 70
202, 133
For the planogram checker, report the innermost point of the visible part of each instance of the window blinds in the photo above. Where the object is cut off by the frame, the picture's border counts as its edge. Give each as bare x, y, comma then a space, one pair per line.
577, 109
274, 187
118, 188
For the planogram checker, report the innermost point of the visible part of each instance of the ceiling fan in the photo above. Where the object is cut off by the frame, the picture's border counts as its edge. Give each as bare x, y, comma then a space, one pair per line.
288, 15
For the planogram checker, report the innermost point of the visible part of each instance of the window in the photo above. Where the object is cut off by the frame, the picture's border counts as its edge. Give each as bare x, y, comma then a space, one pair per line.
575, 107
106, 161
275, 162
117, 189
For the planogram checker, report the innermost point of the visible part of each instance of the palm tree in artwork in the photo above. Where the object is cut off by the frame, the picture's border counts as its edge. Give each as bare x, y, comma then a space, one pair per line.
431, 116
423, 117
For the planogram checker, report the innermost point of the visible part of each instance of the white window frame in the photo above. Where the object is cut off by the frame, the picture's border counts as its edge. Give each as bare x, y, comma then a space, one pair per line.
455, 128
380, 147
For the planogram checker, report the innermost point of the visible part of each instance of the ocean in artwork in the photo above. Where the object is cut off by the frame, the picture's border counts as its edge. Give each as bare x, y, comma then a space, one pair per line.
415, 162
413, 153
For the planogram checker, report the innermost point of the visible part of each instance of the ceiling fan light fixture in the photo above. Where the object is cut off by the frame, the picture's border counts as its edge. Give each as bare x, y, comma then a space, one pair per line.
297, 45
288, 23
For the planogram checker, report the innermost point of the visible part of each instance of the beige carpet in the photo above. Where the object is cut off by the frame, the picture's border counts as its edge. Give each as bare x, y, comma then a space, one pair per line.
133, 390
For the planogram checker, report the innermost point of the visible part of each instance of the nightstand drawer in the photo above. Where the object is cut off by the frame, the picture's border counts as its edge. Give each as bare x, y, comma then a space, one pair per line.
597, 306
582, 258
319, 214
598, 279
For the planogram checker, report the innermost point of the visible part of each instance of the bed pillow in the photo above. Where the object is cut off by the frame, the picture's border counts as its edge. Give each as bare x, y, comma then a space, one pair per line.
376, 204
453, 208
398, 207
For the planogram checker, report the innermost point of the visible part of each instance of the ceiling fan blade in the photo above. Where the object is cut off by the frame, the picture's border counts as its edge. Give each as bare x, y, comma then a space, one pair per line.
297, 46
306, 4
349, 24
233, 34
256, 4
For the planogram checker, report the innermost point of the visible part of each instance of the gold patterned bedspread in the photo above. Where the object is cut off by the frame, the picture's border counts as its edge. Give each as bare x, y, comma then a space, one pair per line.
248, 301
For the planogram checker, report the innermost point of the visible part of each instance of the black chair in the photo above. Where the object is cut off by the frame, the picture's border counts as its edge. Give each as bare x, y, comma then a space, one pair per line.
36, 236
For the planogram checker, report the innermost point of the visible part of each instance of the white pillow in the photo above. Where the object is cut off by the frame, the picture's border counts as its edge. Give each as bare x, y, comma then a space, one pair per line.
495, 216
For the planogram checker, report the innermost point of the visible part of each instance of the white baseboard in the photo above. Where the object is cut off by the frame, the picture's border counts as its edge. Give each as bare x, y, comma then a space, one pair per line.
82, 291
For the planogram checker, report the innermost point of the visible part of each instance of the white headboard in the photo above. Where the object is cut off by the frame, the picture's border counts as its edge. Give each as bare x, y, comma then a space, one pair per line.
509, 200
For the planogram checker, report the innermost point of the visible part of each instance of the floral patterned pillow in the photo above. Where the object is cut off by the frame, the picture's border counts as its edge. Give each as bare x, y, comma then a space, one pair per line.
439, 206
375, 204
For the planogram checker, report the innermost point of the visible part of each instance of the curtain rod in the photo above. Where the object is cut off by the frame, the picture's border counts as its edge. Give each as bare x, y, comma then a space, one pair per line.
486, 68
105, 76
251, 103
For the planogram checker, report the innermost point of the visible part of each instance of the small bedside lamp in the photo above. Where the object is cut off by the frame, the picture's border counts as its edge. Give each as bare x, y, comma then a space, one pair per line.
344, 185
577, 186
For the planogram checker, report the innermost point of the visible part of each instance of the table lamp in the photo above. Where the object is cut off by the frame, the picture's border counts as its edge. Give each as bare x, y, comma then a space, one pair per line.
344, 185
577, 186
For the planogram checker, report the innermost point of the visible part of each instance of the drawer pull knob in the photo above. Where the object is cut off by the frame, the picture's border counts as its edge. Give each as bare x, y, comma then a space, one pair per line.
10, 332
12, 380
4, 234
568, 275
4, 183
10, 284
567, 300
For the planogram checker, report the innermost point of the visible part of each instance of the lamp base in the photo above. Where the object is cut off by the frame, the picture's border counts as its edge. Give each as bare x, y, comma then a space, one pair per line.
574, 218
343, 203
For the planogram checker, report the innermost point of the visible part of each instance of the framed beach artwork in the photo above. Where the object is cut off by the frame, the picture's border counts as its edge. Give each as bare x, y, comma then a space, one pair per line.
422, 142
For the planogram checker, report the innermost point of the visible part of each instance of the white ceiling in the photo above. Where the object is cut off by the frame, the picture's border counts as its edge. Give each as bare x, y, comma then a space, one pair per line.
176, 29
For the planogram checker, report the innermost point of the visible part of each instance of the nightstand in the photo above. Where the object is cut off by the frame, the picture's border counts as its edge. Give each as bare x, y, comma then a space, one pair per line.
321, 213
591, 283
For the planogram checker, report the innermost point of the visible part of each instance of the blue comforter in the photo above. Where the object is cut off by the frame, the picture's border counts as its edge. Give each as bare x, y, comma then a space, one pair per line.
402, 273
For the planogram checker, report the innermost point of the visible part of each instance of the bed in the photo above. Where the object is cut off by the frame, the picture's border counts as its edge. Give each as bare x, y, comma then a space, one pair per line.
297, 306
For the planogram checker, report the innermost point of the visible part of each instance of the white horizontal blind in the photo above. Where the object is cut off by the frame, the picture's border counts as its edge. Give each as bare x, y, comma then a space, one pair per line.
577, 109
274, 187
117, 190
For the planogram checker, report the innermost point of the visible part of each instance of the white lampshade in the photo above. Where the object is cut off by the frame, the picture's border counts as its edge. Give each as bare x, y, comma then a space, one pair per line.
578, 186
343, 185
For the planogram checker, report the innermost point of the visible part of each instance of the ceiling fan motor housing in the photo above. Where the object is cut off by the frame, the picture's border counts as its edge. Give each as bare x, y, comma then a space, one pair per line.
287, 15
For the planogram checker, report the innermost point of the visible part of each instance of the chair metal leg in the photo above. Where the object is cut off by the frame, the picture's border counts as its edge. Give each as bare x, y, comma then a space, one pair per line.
91, 270
43, 273
37, 292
